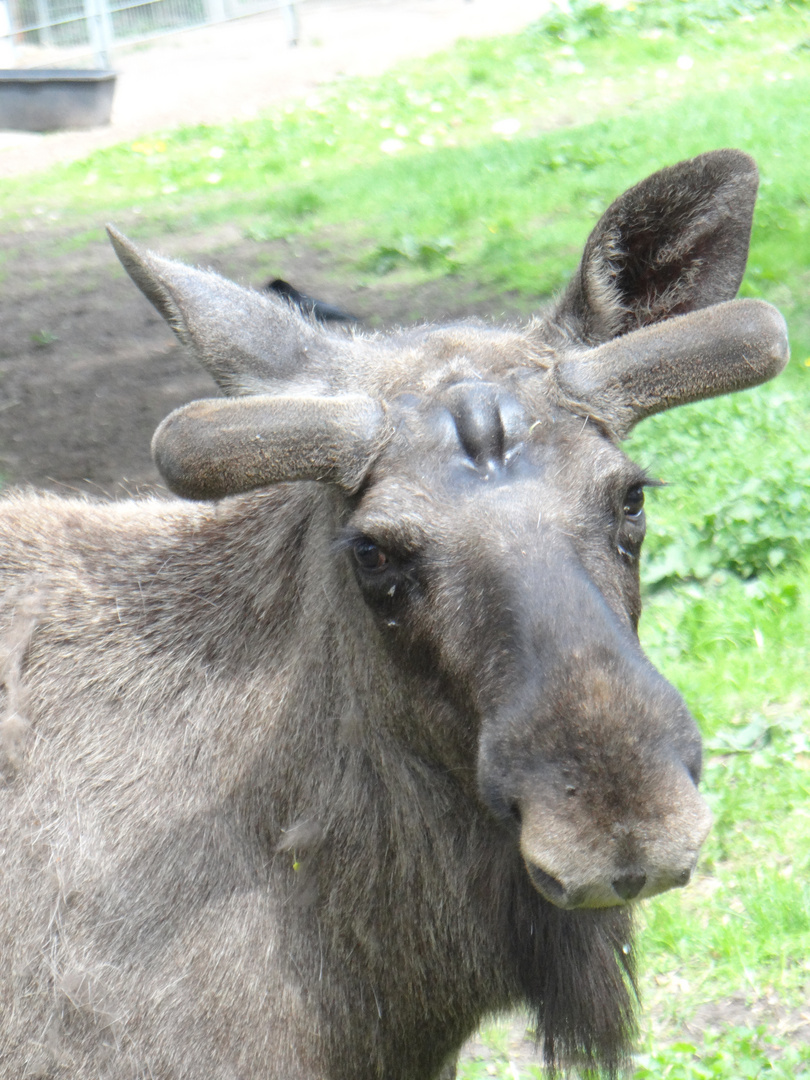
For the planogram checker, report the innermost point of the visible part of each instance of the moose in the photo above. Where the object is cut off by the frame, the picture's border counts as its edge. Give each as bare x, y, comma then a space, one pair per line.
306, 772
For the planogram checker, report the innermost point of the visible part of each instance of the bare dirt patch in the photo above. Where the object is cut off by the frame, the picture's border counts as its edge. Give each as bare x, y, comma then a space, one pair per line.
740, 1011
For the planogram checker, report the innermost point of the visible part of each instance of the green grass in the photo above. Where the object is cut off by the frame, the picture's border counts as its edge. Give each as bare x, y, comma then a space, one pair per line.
530, 139
738, 471
740, 1053
485, 168
740, 652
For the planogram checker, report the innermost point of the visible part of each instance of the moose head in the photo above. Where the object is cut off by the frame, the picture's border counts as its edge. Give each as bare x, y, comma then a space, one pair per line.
493, 524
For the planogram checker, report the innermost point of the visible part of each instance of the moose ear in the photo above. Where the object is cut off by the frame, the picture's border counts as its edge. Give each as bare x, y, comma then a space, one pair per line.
676, 242
249, 341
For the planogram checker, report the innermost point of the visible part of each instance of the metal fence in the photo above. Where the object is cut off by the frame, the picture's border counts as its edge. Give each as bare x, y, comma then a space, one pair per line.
60, 33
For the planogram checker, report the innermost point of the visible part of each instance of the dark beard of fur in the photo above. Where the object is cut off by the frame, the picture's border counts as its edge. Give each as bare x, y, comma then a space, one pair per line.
580, 983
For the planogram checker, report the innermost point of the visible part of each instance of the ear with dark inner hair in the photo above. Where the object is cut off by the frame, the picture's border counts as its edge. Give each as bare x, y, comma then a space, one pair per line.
675, 242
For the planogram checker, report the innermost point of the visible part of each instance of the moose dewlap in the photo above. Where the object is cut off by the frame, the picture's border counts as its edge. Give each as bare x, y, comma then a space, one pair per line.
303, 778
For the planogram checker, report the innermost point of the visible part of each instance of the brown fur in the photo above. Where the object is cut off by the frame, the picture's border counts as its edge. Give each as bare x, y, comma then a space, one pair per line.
272, 810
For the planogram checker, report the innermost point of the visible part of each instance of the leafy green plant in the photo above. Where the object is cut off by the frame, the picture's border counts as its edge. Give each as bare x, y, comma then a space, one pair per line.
43, 338
739, 498
737, 1054
428, 254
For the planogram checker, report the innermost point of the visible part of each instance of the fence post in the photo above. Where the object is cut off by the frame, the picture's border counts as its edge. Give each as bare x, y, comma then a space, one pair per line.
291, 22
215, 11
100, 29
6, 37
44, 20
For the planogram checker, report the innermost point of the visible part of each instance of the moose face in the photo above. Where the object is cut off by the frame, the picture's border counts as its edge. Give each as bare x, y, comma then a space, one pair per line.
497, 547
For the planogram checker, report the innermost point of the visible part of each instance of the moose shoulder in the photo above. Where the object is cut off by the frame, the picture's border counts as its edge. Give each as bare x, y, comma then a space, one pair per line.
303, 778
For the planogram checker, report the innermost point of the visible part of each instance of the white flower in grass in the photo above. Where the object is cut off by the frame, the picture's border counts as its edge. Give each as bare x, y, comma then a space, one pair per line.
506, 127
392, 146
684, 63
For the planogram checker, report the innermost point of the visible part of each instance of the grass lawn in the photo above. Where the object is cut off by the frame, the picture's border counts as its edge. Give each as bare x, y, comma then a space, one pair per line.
485, 168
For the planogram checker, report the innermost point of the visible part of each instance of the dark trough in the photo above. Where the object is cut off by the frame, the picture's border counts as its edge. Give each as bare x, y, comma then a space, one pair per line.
40, 99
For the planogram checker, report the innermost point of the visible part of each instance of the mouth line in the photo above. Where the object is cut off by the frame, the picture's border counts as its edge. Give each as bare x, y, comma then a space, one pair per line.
547, 885
555, 893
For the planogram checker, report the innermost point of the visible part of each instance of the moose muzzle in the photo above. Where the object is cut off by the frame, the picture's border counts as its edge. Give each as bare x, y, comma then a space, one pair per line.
596, 759
578, 855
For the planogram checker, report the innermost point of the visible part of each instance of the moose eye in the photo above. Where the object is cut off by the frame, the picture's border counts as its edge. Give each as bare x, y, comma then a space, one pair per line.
369, 556
634, 502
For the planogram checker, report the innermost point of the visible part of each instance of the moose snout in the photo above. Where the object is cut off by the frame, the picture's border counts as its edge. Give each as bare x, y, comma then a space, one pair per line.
576, 857
596, 760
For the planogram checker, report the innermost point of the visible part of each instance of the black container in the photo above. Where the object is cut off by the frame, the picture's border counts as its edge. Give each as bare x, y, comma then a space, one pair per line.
44, 99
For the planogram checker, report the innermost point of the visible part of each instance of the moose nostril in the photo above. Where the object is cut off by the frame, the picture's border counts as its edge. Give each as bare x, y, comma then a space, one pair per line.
630, 885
